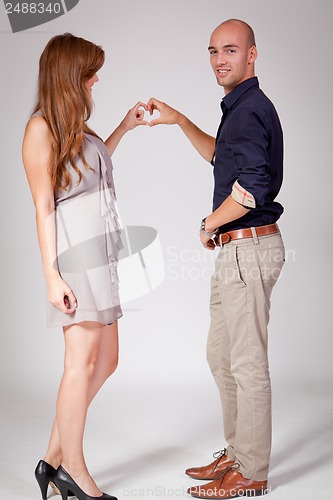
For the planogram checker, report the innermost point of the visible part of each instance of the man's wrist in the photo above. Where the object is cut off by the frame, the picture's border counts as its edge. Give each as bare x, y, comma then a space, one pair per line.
181, 120
207, 231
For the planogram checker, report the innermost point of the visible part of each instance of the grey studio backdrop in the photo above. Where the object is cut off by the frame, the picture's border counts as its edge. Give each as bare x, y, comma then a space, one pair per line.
158, 48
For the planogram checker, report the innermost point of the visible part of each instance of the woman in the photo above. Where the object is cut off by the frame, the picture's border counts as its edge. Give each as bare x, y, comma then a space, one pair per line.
69, 171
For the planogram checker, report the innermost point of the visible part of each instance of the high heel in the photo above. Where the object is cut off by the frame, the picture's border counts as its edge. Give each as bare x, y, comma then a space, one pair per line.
66, 483
44, 474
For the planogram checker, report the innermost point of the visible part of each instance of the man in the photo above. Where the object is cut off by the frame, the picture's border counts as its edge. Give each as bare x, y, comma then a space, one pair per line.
247, 156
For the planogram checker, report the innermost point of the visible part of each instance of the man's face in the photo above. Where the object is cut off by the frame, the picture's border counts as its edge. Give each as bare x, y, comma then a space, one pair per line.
230, 55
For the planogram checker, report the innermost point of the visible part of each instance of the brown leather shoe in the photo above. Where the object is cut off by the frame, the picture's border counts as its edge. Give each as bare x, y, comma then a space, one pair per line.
213, 470
230, 485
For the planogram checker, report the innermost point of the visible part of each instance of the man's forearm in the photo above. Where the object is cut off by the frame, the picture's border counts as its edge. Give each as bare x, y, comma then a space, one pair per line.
228, 211
203, 143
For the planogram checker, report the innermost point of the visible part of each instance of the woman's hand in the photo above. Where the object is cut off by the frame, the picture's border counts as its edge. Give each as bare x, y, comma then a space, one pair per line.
60, 295
134, 117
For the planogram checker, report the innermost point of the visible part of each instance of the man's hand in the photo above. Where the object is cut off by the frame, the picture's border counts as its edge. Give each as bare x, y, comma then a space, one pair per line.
168, 115
207, 241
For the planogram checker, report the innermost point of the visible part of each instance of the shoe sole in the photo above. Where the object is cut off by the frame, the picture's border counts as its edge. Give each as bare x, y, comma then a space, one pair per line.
54, 488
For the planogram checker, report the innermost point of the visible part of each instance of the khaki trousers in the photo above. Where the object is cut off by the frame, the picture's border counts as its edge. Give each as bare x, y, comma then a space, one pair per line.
245, 272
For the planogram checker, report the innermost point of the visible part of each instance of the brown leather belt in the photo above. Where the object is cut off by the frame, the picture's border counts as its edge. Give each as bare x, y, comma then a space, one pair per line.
246, 233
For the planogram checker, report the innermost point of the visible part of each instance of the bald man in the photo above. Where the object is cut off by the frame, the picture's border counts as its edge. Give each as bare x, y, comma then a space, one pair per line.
247, 159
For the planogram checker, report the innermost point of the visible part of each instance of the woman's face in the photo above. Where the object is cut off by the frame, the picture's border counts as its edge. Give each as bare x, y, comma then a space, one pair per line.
90, 83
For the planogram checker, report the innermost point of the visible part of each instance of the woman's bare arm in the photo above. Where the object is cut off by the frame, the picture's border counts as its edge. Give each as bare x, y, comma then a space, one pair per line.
37, 157
133, 118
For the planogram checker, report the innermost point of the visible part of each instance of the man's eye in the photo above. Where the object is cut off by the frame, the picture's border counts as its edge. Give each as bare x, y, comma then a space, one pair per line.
231, 51
212, 52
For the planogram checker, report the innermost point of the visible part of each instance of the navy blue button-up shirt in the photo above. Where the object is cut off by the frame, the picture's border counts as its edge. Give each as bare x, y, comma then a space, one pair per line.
249, 149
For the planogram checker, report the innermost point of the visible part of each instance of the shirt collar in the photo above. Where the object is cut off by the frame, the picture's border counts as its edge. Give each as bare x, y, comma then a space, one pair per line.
230, 99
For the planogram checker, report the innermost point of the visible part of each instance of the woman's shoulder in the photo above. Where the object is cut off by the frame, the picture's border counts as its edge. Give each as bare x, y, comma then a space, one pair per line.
37, 128
37, 118
94, 138
37, 123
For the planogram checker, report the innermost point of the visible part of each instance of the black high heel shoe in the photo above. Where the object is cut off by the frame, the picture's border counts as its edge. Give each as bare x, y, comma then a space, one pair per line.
66, 483
45, 474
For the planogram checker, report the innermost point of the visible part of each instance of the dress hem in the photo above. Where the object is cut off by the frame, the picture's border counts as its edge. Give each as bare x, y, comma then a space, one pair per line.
83, 320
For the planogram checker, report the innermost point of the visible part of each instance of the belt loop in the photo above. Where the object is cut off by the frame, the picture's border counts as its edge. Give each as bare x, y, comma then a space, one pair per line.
254, 236
221, 242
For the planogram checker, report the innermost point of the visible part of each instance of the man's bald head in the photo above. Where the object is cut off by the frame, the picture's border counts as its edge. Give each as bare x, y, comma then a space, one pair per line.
248, 31
233, 51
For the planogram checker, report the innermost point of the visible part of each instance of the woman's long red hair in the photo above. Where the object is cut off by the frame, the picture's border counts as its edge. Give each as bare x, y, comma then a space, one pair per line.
65, 65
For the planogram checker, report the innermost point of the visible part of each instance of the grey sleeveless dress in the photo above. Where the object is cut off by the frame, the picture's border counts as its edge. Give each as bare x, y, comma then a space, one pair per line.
88, 239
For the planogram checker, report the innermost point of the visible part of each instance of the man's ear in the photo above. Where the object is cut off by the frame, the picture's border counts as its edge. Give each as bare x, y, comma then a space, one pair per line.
253, 54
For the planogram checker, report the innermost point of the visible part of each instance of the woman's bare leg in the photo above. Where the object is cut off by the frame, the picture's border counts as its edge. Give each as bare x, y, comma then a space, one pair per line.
105, 365
90, 357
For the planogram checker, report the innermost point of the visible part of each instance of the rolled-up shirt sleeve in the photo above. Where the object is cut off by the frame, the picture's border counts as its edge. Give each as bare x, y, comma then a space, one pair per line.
248, 138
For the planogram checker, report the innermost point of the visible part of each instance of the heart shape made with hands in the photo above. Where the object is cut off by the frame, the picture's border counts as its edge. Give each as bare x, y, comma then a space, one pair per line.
149, 118
143, 113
